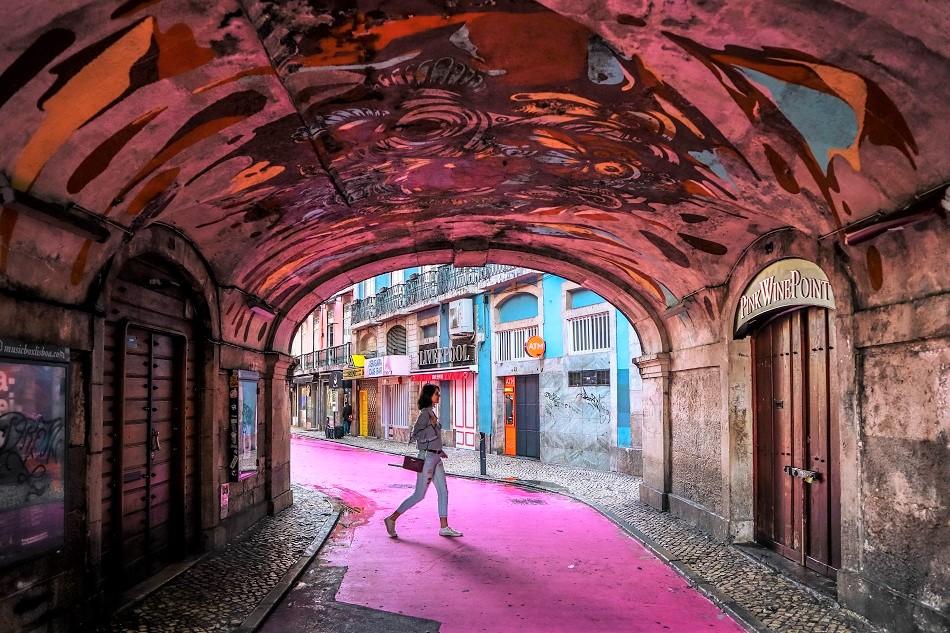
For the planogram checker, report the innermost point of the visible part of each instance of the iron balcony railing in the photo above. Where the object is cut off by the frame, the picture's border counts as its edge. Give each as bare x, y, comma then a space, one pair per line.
324, 359
424, 287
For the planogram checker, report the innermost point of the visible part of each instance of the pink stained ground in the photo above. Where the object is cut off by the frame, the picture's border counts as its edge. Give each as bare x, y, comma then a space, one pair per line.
529, 561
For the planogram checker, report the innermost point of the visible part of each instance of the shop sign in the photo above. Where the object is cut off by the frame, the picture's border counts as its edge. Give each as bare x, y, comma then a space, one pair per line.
460, 353
386, 366
509, 384
534, 347
441, 375
336, 379
242, 423
785, 284
33, 425
352, 373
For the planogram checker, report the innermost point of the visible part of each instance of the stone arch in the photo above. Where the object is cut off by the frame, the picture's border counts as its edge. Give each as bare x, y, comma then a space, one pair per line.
172, 246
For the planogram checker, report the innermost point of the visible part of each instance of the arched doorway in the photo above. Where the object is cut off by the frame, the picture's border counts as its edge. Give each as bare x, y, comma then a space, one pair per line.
152, 366
789, 309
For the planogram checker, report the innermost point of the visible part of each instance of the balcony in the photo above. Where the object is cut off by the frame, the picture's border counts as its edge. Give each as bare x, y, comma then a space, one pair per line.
331, 357
424, 288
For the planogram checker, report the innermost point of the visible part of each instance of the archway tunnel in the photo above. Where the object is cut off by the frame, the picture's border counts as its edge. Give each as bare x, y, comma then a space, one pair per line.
260, 156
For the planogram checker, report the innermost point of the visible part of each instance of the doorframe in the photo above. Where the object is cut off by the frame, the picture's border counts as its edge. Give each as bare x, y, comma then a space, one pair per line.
118, 467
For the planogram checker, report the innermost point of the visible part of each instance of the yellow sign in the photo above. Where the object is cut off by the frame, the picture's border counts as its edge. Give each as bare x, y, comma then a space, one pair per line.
534, 347
359, 360
352, 372
364, 413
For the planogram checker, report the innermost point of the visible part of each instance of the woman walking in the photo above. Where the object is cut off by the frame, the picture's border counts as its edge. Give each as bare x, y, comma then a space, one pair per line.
428, 435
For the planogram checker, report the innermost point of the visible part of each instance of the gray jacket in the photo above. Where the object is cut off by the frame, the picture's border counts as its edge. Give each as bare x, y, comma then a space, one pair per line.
427, 437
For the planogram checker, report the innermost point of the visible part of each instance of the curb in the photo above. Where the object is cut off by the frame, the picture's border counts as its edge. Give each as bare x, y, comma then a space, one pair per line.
269, 602
745, 618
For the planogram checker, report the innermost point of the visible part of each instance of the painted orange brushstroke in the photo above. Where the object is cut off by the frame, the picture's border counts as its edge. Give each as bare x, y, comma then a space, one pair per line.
348, 45
254, 175
79, 264
152, 189
178, 52
250, 72
101, 82
201, 132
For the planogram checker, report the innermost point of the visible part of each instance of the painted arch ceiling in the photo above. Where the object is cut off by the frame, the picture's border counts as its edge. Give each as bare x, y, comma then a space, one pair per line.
648, 141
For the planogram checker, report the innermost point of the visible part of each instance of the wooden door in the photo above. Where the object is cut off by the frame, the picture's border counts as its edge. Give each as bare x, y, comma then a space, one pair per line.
527, 416
797, 512
150, 450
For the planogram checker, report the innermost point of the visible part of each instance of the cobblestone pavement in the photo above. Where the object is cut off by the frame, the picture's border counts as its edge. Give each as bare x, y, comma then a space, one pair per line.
218, 592
780, 604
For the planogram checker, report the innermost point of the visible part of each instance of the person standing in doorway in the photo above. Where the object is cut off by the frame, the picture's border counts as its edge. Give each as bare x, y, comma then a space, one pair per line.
347, 418
427, 432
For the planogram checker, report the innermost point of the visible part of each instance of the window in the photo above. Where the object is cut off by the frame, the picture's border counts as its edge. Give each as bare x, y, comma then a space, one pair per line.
429, 331
396, 341
582, 298
588, 378
511, 343
329, 335
590, 333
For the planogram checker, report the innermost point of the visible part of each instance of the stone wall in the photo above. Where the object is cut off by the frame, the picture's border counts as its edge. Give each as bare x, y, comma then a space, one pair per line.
576, 425
696, 466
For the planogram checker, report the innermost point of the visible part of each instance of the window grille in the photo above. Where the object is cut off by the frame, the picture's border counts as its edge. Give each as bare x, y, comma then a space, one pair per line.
589, 378
590, 333
511, 343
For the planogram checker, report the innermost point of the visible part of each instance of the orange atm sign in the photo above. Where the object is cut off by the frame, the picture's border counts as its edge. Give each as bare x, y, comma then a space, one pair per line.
509, 384
534, 347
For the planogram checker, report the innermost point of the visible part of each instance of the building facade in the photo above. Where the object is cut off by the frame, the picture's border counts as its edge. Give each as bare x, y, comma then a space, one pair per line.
574, 402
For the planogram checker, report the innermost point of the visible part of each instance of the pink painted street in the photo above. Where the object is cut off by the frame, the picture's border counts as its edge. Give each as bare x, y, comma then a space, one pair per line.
528, 561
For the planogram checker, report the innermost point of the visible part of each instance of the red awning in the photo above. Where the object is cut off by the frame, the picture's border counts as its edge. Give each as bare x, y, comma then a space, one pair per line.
441, 375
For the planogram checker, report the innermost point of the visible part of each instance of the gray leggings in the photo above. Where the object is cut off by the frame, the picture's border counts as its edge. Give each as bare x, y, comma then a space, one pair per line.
432, 471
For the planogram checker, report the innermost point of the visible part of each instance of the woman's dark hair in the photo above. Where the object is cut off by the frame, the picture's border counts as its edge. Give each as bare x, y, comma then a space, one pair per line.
425, 398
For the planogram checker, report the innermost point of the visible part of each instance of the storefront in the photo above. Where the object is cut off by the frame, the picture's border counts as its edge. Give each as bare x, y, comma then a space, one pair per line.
459, 385
788, 310
390, 374
454, 368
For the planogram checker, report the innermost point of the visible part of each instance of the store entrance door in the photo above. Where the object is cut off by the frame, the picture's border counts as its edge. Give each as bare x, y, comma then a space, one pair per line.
796, 439
528, 416
463, 412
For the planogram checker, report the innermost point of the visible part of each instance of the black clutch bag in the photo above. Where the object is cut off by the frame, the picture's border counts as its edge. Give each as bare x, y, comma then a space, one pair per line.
412, 463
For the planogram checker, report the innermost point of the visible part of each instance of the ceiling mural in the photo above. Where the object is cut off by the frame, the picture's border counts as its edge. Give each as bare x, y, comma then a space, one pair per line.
294, 141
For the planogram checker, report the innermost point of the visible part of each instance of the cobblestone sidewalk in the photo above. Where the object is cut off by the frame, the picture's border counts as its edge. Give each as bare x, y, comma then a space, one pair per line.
218, 592
749, 587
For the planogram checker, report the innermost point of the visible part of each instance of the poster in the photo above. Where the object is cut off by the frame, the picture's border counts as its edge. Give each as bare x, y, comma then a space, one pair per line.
242, 420
32, 451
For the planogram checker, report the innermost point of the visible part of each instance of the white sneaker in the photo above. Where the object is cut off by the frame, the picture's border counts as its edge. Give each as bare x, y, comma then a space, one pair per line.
390, 527
447, 531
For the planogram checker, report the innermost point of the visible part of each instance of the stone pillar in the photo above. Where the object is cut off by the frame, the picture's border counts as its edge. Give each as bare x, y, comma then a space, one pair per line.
277, 432
655, 371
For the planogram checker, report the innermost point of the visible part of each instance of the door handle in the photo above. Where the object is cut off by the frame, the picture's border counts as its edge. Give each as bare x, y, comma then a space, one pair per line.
156, 444
808, 476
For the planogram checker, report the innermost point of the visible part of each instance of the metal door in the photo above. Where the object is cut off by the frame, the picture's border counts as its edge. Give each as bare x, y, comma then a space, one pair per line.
796, 441
528, 416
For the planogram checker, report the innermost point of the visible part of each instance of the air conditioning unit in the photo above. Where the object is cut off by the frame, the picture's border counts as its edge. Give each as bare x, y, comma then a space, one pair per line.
461, 315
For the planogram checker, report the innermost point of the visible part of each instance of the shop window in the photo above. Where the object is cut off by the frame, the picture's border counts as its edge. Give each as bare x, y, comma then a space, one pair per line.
396, 341
429, 331
589, 378
511, 343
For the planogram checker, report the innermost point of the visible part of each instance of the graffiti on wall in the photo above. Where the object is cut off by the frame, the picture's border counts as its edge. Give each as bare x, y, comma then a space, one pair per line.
589, 405
32, 455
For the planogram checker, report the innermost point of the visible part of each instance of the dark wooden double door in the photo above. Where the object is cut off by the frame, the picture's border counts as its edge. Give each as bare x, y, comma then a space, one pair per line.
527, 416
150, 440
796, 439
